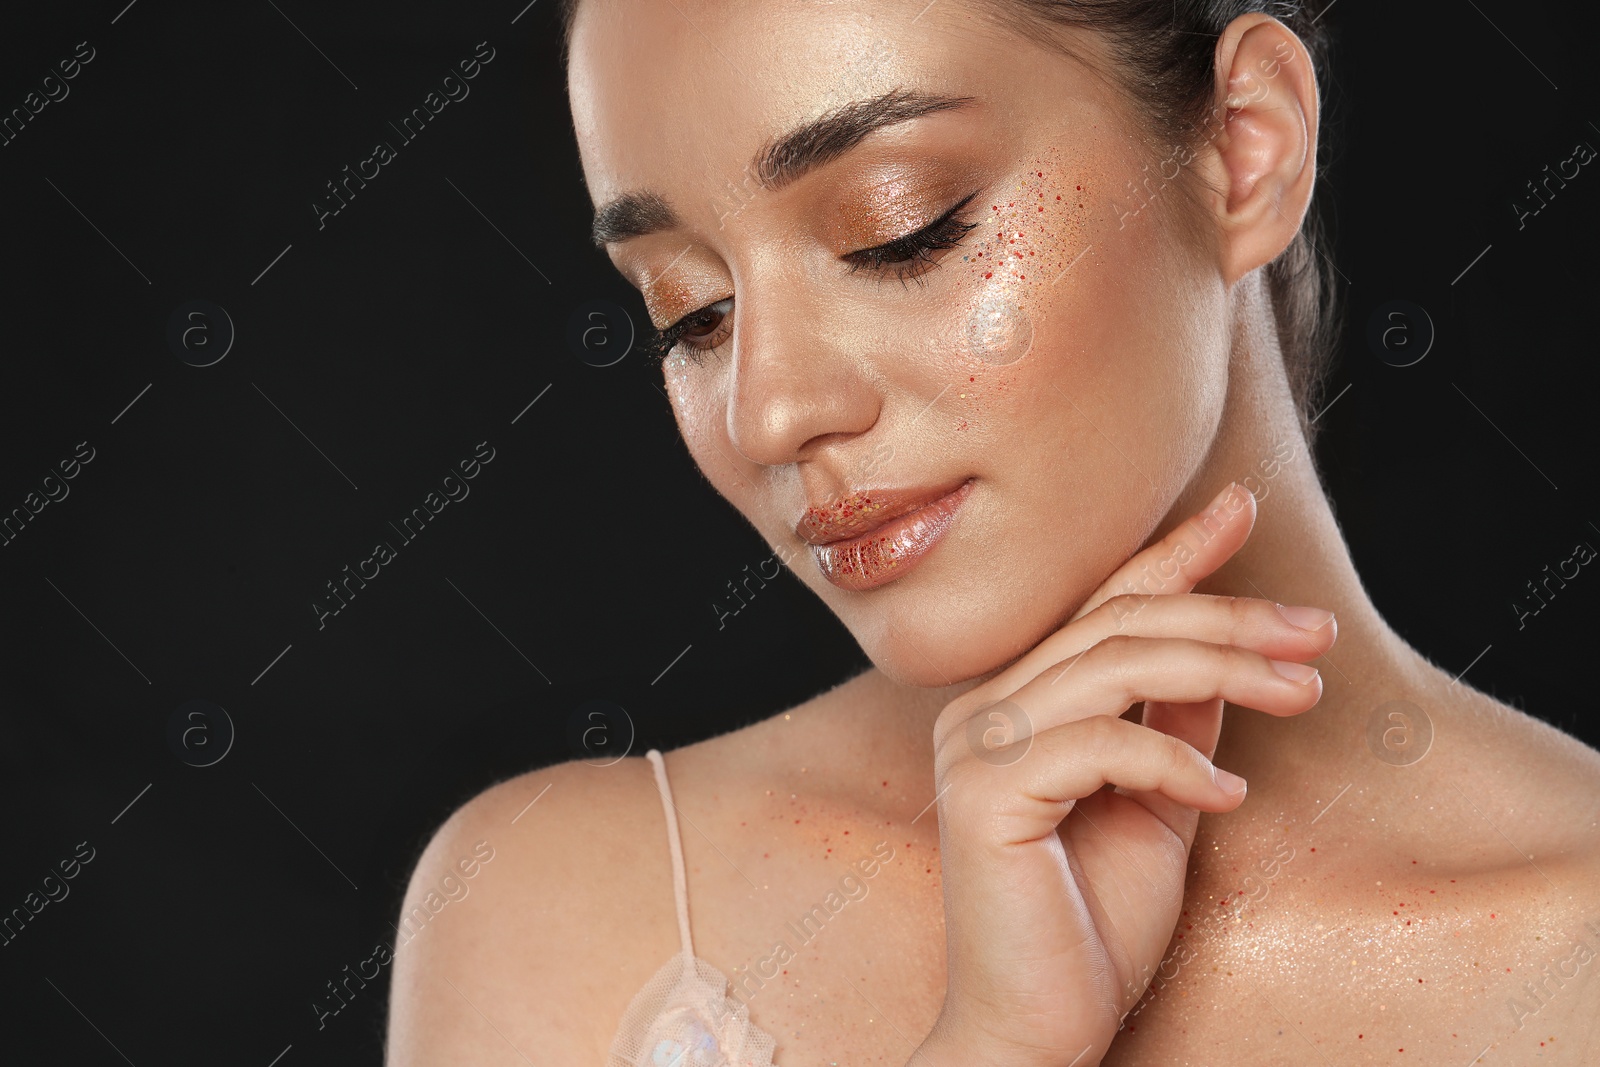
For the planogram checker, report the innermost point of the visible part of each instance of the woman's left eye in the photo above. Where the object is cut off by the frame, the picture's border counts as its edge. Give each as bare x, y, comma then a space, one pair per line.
910, 256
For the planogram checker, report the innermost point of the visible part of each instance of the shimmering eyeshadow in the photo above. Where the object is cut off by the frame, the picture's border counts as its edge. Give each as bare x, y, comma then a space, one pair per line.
946, 231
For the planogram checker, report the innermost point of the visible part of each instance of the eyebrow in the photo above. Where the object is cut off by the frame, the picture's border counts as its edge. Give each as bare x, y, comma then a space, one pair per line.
783, 160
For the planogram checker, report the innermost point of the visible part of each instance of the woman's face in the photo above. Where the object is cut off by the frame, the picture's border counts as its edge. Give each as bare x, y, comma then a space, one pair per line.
1051, 377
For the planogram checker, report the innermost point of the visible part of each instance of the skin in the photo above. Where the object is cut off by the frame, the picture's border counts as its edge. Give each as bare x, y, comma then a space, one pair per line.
1153, 378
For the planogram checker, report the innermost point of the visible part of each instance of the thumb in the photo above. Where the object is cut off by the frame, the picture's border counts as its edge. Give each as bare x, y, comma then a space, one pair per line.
1186, 554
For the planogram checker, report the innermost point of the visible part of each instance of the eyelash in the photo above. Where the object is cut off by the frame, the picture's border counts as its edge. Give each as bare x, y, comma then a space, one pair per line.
902, 256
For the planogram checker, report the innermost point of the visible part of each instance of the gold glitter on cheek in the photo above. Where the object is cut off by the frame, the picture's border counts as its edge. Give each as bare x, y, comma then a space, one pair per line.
1030, 235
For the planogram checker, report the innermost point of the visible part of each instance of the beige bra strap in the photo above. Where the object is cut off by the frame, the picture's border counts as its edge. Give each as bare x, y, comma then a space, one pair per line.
680, 884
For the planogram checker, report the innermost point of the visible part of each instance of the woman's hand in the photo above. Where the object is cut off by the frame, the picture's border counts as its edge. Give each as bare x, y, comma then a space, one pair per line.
1061, 896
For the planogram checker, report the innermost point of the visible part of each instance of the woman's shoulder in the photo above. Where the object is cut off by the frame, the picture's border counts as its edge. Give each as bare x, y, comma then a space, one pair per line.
1469, 880
546, 942
1442, 899
1527, 783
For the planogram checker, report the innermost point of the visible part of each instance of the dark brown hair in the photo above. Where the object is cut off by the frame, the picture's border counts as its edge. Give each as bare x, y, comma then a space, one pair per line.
1164, 59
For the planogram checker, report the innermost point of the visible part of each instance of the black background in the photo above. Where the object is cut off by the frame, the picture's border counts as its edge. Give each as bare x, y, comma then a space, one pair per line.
424, 318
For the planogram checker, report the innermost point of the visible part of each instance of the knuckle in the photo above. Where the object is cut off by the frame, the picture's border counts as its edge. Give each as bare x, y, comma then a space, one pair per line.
1242, 615
1180, 756
1122, 607
1099, 736
1228, 659
1115, 648
1118, 662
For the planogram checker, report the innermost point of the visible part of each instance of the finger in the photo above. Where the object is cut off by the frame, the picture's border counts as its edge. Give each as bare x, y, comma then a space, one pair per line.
1025, 799
1121, 670
1197, 725
1249, 622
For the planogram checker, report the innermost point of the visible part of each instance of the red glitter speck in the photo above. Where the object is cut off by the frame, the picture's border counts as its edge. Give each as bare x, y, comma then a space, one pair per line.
1080, 188
989, 275
970, 380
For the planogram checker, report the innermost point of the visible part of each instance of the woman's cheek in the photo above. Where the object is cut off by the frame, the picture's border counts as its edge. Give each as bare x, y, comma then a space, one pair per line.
1012, 278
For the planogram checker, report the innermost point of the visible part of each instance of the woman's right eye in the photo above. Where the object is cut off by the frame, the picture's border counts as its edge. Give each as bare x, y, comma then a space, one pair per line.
699, 331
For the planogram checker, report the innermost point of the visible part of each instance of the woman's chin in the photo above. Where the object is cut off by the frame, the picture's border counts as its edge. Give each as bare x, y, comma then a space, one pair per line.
916, 655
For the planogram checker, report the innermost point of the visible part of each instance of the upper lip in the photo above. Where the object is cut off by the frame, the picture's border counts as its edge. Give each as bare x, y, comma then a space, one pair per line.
864, 510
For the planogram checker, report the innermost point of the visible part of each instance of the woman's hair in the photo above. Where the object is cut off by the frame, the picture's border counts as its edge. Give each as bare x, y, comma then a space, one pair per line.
1164, 53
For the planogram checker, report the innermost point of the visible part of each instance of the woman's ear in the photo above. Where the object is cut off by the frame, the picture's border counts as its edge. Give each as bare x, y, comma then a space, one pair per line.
1263, 162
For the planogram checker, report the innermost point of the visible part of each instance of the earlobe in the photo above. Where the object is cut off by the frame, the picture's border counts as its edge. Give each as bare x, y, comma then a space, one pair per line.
1266, 152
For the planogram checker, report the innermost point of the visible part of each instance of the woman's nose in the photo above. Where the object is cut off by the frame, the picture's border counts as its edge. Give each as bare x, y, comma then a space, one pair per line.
802, 376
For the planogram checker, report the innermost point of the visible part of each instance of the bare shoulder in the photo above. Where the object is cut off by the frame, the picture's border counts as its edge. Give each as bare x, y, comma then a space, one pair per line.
1427, 911
1538, 799
535, 912
1465, 901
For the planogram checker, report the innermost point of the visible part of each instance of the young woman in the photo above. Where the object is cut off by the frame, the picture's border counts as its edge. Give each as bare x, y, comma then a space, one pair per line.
1056, 478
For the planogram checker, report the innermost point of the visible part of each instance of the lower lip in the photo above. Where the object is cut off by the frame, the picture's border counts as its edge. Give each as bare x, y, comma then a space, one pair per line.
891, 550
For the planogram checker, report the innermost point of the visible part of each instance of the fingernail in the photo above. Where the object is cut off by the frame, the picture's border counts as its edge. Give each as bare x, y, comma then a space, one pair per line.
1231, 783
1295, 672
1218, 500
1305, 618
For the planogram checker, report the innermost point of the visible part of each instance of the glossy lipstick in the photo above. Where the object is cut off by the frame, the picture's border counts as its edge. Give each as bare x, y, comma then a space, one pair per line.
875, 536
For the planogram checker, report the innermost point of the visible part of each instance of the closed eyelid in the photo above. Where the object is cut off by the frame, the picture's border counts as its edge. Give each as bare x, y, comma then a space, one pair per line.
943, 219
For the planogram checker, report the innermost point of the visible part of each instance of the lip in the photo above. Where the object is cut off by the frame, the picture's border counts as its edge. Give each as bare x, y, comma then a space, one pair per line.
877, 535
